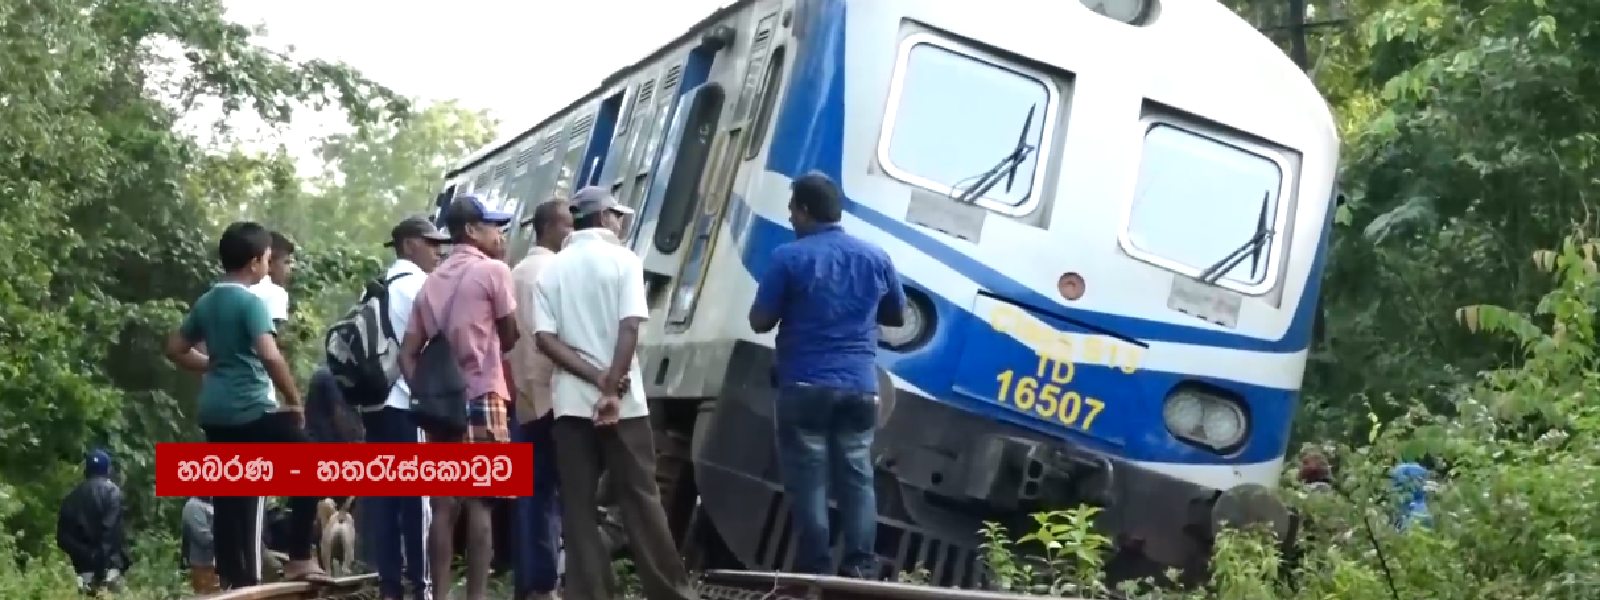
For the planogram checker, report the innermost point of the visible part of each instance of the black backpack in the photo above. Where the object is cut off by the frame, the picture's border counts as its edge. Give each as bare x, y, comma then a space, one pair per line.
438, 388
363, 348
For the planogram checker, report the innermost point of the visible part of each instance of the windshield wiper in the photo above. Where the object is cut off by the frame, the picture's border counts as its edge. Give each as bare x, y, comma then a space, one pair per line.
1251, 247
1007, 165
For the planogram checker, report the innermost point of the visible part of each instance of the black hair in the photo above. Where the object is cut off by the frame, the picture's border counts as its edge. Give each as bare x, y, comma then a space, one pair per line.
242, 242
816, 195
545, 213
281, 246
458, 215
589, 221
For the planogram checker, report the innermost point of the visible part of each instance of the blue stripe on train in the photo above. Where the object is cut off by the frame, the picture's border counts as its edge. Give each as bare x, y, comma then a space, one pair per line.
809, 135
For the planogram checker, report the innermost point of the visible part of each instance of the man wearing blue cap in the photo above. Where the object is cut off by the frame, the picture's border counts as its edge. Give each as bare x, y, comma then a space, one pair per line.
468, 300
89, 526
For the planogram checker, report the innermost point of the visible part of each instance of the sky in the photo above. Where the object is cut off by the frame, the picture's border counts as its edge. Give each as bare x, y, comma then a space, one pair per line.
518, 59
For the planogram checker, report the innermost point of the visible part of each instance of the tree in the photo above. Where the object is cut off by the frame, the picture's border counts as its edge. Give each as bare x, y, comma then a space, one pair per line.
105, 220
377, 175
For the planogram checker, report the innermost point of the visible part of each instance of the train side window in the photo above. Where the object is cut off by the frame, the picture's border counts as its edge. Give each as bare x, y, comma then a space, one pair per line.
953, 116
1198, 200
769, 94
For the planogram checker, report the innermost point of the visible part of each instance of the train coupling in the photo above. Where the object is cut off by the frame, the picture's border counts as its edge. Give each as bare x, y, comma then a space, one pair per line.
1012, 473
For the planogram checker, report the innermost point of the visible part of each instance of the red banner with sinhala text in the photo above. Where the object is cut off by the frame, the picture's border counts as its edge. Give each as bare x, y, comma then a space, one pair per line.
471, 470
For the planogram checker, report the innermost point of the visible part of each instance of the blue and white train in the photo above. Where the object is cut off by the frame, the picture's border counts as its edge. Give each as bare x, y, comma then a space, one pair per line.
1110, 216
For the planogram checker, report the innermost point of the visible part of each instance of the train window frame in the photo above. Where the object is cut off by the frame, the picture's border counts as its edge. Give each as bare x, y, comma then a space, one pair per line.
1048, 132
1282, 206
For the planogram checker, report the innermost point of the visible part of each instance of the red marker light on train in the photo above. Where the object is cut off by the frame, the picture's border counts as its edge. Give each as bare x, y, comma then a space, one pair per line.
1071, 286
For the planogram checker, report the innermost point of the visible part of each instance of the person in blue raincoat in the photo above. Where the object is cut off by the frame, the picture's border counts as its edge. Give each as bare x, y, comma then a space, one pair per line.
1410, 481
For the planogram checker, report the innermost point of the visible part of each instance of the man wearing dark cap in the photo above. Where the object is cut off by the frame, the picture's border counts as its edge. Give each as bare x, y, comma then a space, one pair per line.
399, 525
469, 298
591, 305
830, 291
89, 526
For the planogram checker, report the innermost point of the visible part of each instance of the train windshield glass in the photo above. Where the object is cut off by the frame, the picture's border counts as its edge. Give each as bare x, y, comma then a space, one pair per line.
1198, 198
956, 115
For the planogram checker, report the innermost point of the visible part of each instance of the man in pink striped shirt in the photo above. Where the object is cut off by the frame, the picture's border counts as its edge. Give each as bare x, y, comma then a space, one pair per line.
469, 297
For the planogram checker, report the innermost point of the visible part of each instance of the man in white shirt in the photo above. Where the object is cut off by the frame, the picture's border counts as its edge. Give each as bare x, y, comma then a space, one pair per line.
536, 536
399, 525
271, 290
590, 306
279, 269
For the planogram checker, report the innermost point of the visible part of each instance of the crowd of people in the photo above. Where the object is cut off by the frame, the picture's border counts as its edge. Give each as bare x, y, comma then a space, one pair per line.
546, 353
543, 353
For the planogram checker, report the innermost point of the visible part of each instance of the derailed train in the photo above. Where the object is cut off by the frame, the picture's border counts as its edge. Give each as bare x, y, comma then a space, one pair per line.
1090, 321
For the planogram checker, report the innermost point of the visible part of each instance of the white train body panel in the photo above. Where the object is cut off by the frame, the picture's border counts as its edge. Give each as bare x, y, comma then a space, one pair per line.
1155, 144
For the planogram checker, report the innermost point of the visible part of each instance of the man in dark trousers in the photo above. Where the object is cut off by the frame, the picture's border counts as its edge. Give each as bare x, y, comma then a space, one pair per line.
468, 299
89, 526
399, 524
591, 306
537, 538
830, 291
241, 367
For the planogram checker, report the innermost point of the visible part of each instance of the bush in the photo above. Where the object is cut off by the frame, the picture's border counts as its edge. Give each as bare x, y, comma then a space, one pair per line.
1513, 518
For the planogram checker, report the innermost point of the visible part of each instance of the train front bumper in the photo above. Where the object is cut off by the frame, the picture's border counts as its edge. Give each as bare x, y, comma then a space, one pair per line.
1165, 519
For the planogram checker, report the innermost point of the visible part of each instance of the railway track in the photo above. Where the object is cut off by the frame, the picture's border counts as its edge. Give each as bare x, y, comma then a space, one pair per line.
759, 585
355, 587
713, 585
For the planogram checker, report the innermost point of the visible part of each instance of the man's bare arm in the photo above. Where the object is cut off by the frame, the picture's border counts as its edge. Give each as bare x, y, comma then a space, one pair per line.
565, 357
183, 354
509, 334
622, 354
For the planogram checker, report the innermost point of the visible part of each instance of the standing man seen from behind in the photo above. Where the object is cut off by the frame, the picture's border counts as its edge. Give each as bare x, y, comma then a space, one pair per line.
237, 403
591, 305
400, 524
536, 539
829, 291
274, 288
469, 298
89, 527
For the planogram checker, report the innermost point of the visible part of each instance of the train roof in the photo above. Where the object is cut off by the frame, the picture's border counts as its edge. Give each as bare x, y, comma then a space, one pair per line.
621, 75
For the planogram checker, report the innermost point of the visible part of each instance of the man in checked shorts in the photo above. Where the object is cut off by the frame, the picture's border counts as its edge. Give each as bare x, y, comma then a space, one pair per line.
470, 297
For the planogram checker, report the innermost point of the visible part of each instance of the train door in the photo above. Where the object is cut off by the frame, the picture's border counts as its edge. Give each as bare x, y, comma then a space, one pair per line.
741, 142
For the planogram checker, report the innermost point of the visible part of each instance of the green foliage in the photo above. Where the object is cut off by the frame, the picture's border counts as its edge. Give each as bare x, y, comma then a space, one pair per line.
1064, 555
1512, 518
110, 220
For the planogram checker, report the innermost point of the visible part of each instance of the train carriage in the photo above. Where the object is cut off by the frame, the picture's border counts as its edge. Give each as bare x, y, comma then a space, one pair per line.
1110, 217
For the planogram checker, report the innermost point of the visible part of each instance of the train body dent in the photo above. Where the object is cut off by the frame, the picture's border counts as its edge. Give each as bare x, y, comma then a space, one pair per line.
1123, 318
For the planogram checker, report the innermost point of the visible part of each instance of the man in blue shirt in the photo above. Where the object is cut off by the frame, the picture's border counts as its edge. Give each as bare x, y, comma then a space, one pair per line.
830, 291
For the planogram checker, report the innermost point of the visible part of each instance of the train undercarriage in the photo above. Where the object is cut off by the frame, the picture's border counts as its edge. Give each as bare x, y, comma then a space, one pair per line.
940, 475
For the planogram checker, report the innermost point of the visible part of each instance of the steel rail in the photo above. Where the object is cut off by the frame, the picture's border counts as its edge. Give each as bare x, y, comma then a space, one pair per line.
298, 590
767, 585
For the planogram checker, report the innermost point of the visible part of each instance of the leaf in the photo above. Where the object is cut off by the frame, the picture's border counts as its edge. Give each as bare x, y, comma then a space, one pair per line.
1416, 210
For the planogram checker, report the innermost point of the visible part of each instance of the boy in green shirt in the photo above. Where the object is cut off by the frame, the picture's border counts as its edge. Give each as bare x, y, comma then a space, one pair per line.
237, 404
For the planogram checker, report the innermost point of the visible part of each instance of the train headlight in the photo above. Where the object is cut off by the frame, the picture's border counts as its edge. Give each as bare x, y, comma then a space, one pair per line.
1205, 418
916, 330
1132, 12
